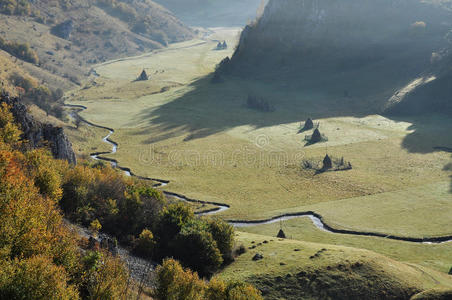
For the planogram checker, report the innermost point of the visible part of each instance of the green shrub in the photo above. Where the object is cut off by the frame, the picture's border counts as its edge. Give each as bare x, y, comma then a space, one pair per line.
197, 249
144, 245
171, 221
223, 234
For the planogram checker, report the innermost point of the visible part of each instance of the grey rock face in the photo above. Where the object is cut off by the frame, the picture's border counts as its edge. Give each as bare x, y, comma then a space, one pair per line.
38, 134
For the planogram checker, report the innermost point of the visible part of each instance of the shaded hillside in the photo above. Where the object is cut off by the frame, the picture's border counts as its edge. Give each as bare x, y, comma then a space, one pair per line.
214, 12
68, 37
365, 49
433, 96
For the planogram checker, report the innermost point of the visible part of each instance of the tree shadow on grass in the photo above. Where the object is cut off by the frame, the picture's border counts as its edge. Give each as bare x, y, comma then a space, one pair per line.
204, 109
430, 133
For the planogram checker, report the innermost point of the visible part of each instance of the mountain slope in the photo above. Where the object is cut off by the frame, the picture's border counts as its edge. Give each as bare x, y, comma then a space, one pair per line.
69, 36
365, 49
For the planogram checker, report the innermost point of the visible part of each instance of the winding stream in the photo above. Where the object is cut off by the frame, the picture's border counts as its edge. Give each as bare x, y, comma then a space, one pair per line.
316, 219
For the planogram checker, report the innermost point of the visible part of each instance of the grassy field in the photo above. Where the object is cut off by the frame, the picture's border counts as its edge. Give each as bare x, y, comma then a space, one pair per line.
435, 256
293, 270
181, 127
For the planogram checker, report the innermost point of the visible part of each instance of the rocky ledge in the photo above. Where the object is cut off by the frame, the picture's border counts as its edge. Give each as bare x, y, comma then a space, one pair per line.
41, 134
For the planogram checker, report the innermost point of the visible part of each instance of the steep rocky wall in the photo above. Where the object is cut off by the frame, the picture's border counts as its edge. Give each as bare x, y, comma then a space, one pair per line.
38, 134
370, 48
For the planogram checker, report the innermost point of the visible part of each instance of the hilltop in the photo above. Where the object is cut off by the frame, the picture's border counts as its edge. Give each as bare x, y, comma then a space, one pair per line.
367, 50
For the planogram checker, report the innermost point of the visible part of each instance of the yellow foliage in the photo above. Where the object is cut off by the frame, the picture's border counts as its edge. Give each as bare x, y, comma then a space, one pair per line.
34, 278
175, 283
95, 226
39, 258
9, 132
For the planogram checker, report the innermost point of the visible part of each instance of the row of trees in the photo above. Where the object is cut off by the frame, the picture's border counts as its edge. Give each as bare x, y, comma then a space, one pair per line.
40, 95
15, 7
141, 217
19, 50
41, 259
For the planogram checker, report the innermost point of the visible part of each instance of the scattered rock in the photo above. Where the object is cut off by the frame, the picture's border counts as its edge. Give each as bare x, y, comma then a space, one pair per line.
282, 263
301, 274
257, 257
265, 242
296, 250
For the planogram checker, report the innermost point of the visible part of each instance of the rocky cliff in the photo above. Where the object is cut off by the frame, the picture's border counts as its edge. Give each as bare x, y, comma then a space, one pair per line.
38, 134
371, 48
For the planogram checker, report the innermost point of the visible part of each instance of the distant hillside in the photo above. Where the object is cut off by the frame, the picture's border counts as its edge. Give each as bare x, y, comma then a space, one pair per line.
364, 49
69, 36
213, 13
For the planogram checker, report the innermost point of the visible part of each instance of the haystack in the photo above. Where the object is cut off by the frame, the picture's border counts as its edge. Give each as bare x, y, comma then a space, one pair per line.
281, 234
143, 76
327, 163
308, 124
316, 136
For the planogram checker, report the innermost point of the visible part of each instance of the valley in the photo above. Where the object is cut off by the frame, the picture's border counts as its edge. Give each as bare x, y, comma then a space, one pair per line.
233, 150
179, 126
196, 132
